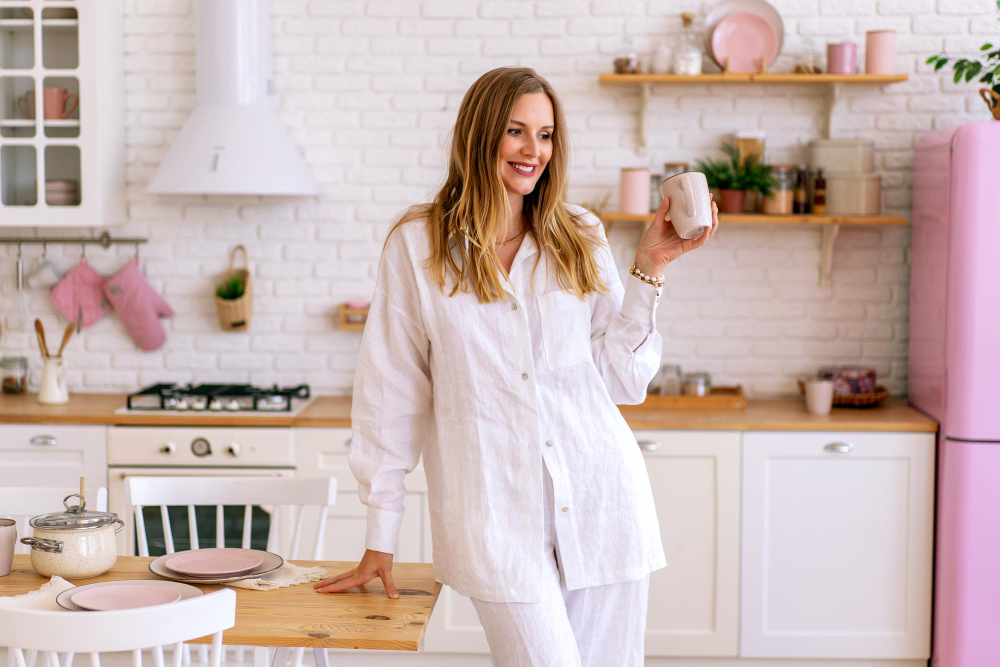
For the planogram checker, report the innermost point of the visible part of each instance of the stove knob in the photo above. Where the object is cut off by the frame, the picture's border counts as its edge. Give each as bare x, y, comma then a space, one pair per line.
168, 448
181, 405
216, 404
200, 447
233, 405
233, 449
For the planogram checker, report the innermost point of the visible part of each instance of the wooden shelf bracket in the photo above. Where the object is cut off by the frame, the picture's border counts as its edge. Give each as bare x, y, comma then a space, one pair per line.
833, 93
644, 91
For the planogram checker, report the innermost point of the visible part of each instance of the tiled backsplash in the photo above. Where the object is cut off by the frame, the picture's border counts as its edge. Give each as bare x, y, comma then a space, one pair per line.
370, 89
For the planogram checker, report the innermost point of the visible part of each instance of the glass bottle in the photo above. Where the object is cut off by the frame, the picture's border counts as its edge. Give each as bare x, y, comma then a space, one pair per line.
801, 202
782, 197
687, 55
819, 194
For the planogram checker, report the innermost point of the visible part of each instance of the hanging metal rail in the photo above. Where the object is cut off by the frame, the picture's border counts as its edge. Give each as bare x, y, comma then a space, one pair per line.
104, 240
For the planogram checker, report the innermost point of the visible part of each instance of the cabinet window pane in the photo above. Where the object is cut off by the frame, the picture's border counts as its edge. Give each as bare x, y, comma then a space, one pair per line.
18, 176
60, 38
17, 107
17, 38
62, 176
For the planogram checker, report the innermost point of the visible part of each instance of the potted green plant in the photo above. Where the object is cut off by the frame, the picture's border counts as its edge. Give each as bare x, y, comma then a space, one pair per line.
987, 68
734, 179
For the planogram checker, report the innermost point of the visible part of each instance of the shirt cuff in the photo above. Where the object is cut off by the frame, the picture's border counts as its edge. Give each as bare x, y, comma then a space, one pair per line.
639, 302
383, 530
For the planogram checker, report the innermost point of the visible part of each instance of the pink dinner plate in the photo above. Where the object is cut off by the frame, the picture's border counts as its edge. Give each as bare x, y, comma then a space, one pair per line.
744, 38
214, 562
108, 598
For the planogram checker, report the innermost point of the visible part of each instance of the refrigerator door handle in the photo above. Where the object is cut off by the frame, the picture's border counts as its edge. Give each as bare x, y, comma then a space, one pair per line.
839, 447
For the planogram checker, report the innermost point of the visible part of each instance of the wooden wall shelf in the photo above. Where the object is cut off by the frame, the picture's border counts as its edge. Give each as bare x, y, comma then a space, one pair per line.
351, 319
833, 82
830, 224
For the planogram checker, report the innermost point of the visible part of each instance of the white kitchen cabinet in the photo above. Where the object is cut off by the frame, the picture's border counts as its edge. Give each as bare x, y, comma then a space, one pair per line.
837, 545
322, 452
694, 601
73, 51
47, 455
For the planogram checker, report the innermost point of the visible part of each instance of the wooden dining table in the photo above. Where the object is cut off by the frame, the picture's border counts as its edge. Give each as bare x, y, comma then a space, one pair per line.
363, 617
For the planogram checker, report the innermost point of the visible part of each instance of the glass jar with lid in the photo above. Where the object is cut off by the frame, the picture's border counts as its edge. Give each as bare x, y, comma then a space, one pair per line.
687, 53
697, 384
15, 374
626, 58
783, 196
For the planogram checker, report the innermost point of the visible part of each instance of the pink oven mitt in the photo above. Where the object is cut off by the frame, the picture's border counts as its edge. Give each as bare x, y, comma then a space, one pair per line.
81, 290
138, 305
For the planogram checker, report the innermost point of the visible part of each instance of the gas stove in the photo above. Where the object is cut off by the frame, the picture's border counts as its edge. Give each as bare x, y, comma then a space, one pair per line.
217, 398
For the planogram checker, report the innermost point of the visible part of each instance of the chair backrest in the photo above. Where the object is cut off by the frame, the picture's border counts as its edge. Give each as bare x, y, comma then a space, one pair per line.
288, 496
23, 503
96, 632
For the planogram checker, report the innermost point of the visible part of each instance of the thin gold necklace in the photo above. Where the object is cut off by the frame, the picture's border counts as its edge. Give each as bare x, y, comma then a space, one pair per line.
513, 238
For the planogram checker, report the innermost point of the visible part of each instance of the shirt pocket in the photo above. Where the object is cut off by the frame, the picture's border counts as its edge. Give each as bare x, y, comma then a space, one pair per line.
565, 328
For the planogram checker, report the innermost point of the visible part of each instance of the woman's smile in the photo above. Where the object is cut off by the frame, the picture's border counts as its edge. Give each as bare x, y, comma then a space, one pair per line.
523, 168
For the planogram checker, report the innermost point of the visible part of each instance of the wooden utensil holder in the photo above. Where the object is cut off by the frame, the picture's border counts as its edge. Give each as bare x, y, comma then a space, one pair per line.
235, 314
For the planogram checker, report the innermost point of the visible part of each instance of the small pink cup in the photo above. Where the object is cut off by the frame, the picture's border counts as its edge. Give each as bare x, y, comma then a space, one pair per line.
8, 537
880, 52
841, 58
633, 191
55, 103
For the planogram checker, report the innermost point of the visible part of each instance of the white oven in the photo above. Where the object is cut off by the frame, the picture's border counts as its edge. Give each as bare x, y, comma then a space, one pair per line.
161, 451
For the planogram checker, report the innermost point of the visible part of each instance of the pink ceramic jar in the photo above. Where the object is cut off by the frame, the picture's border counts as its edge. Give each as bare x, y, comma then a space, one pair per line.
841, 58
633, 191
880, 52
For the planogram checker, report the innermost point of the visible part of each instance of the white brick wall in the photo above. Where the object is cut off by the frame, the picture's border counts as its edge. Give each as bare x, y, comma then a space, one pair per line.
370, 89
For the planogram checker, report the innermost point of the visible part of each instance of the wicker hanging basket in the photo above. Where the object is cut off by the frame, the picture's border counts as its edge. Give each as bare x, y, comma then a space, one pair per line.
992, 101
235, 314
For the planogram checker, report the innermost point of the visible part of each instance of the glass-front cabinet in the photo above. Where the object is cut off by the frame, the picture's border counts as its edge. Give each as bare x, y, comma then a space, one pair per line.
62, 113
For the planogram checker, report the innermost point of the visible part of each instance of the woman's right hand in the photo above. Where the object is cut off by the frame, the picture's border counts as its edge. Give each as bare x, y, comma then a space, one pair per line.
373, 564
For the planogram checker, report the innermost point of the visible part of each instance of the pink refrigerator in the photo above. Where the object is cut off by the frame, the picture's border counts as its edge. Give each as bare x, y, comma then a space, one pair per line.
954, 376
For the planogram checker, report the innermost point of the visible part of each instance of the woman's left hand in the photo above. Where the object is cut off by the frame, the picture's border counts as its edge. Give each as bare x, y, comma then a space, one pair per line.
661, 244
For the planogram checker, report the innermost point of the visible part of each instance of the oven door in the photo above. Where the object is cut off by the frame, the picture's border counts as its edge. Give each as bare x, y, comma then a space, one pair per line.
205, 516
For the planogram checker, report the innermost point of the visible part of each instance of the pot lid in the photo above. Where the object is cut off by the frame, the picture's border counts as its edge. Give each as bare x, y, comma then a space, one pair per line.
76, 517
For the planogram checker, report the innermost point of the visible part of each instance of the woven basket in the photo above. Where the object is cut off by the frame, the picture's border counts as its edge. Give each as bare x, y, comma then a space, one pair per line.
992, 101
855, 400
235, 314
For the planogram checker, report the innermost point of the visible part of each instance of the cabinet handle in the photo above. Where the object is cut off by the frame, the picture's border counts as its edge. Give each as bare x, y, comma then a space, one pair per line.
48, 440
347, 443
839, 447
649, 445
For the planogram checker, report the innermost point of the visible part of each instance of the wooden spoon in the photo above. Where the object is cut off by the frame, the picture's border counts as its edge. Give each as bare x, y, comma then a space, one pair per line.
40, 331
66, 336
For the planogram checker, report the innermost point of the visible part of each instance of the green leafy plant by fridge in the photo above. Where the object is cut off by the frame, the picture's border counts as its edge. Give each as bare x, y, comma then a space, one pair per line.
232, 289
986, 68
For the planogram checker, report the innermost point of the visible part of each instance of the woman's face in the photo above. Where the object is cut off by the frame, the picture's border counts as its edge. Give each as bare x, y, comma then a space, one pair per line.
527, 144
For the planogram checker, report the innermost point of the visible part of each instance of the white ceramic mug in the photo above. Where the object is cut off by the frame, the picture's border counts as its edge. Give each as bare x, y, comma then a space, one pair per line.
44, 274
690, 205
53, 390
819, 396
8, 537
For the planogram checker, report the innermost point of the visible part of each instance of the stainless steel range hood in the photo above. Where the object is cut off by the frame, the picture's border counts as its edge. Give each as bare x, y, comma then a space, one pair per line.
233, 143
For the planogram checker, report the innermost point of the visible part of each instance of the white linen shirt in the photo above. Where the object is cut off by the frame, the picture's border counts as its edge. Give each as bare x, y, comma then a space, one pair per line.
484, 392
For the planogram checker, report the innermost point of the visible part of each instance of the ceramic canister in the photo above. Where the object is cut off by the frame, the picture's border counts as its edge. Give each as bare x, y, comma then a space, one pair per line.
633, 192
841, 58
8, 536
880, 52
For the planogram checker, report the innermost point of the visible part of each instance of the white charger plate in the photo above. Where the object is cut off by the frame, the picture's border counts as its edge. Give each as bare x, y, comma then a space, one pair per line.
271, 563
64, 599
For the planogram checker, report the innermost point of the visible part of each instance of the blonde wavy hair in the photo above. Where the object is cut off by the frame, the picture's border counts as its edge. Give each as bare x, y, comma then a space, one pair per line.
473, 205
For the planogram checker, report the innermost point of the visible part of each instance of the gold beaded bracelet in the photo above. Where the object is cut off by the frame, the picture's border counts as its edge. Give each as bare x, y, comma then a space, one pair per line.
655, 281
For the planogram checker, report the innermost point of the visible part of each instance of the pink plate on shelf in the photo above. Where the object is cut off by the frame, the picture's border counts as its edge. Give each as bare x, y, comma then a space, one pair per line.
108, 598
744, 38
214, 562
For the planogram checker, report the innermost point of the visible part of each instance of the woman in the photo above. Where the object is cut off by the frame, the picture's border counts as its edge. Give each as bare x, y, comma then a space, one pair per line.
504, 373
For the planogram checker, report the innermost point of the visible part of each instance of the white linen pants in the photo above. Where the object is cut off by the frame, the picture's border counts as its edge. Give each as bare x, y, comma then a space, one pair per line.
600, 626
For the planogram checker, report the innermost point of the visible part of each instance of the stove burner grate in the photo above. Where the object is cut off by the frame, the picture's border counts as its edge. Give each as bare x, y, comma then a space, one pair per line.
216, 398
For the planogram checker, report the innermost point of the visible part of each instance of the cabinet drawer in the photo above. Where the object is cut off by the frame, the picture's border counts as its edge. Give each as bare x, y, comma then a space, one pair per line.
321, 452
45, 455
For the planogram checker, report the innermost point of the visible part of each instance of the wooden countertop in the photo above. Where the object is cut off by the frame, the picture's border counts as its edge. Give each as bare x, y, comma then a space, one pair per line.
363, 617
773, 414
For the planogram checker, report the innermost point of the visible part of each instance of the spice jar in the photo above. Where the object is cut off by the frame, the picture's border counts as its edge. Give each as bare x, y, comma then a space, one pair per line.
687, 54
782, 197
669, 380
627, 60
15, 374
697, 384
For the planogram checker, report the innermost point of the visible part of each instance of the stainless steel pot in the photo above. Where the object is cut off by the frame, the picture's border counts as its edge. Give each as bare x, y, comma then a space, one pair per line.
75, 543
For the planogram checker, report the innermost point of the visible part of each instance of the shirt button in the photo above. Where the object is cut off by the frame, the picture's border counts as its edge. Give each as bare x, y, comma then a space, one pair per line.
513, 306
565, 509
548, 443
524, 376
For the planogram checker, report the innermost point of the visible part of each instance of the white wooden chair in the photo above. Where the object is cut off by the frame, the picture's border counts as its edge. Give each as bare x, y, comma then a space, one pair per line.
95, 632
23, 503
286, 496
